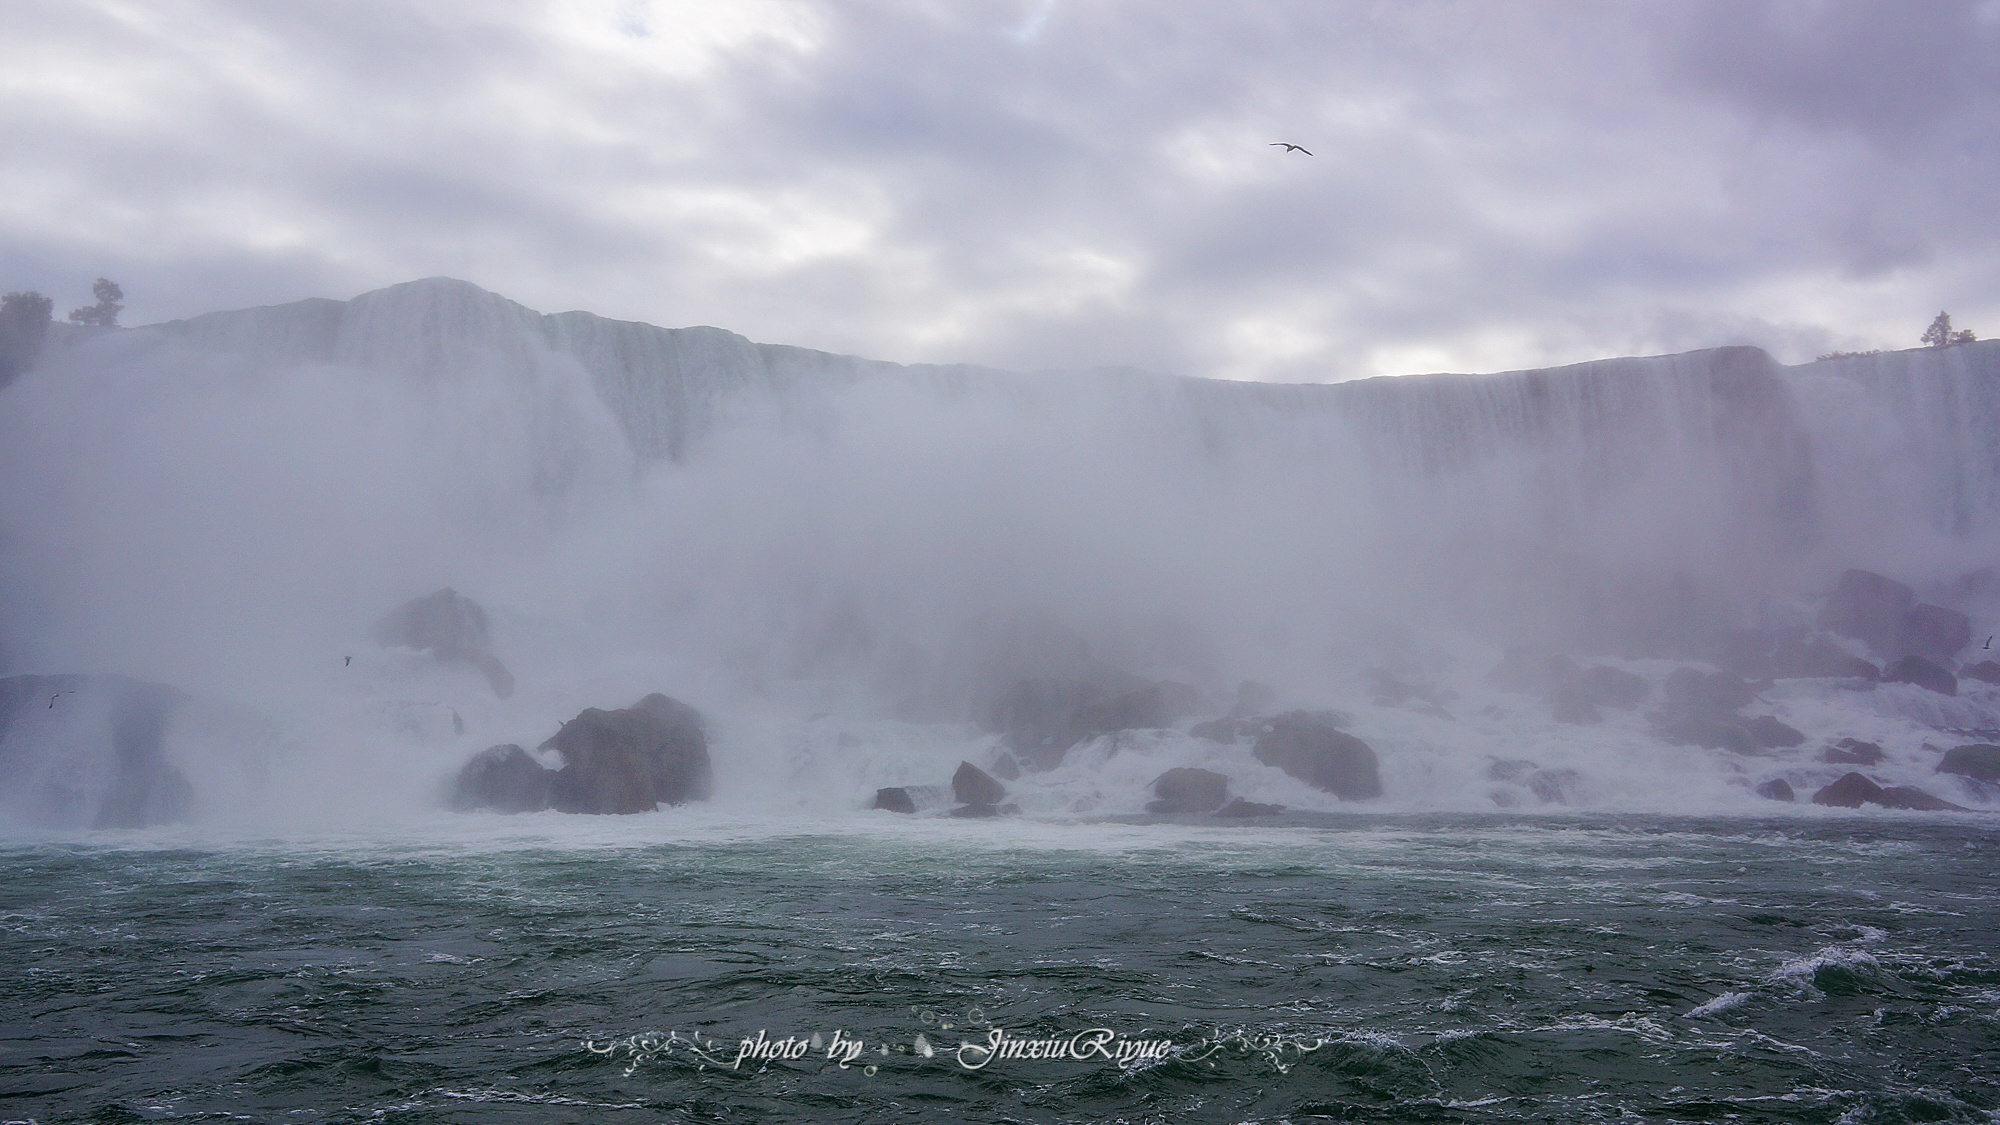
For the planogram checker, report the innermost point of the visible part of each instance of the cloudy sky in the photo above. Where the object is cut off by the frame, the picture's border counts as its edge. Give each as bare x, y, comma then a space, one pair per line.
1036, 183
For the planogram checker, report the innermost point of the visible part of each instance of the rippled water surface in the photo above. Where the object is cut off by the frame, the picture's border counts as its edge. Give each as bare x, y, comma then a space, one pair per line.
1470, 969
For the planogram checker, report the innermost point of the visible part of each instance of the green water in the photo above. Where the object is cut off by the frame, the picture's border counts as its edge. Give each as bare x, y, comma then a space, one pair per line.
1447, 969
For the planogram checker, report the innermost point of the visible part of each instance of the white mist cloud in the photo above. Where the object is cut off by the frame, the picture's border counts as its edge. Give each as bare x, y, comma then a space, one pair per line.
1035, 184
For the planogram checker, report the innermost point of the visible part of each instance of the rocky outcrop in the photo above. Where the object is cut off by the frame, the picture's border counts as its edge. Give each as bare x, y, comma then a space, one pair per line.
1776, 789
652, 753
1305, 746
450, 627
1185, 790
1854, 790
1936, 632
895, 799
1042, 719
89, 752
1978, 761
975, 789
1768, 733
1851, 751
1986, 671
1819, 657
1550, 787
1884, 614
1923, 673
502, 779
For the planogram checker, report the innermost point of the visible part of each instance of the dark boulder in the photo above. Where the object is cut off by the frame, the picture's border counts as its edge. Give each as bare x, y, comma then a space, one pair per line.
1978, 761
503, 779
1305, 746
1904, 797
450, 627
1140, 709
633, 760
1850, 792
974, 786
1923, 673
1242, 808
1768, 733
1986, 671
1776, 789
1188, 790
1934, 631
1852, 752
1869, 608
895, 799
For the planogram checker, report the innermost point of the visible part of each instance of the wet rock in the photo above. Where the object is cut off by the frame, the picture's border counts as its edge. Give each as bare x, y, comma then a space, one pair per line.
1934, 631
1555, 787
1305, 746
1006, 767
1509, 769
631, 760
1852, 751
451, 628
1978, 761
1768, 733
1776, 789
1923, 673
1242, 808
503, 779
1851, 791
1188, 790
1986, 671
1904, 797
1869, 608
974, 786
1042, 719
894, 799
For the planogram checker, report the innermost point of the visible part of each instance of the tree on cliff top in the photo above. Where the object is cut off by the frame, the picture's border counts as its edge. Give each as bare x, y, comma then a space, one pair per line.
103, 314
24, 323
1939, 334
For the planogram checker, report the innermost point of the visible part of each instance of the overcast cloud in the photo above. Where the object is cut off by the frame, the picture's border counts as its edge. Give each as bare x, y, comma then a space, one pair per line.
1036, 183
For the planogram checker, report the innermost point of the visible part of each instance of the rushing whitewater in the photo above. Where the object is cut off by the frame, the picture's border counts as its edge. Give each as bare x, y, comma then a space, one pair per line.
842, 563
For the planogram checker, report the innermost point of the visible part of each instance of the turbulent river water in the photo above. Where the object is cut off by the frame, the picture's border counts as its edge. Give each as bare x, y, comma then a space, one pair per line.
689, 966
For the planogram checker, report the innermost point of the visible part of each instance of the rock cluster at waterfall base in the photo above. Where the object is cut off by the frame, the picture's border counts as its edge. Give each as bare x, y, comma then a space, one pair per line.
626, 761
452, 628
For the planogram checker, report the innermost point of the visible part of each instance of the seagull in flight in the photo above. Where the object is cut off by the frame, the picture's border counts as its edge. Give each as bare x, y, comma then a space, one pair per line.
59, 695
1289, 147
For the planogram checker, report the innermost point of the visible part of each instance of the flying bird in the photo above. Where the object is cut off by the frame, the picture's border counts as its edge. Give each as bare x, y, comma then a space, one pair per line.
1289, 147
346, 660
59, 695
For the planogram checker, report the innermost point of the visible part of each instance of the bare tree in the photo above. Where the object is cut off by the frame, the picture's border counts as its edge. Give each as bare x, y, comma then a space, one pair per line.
1939, 334
103, 314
